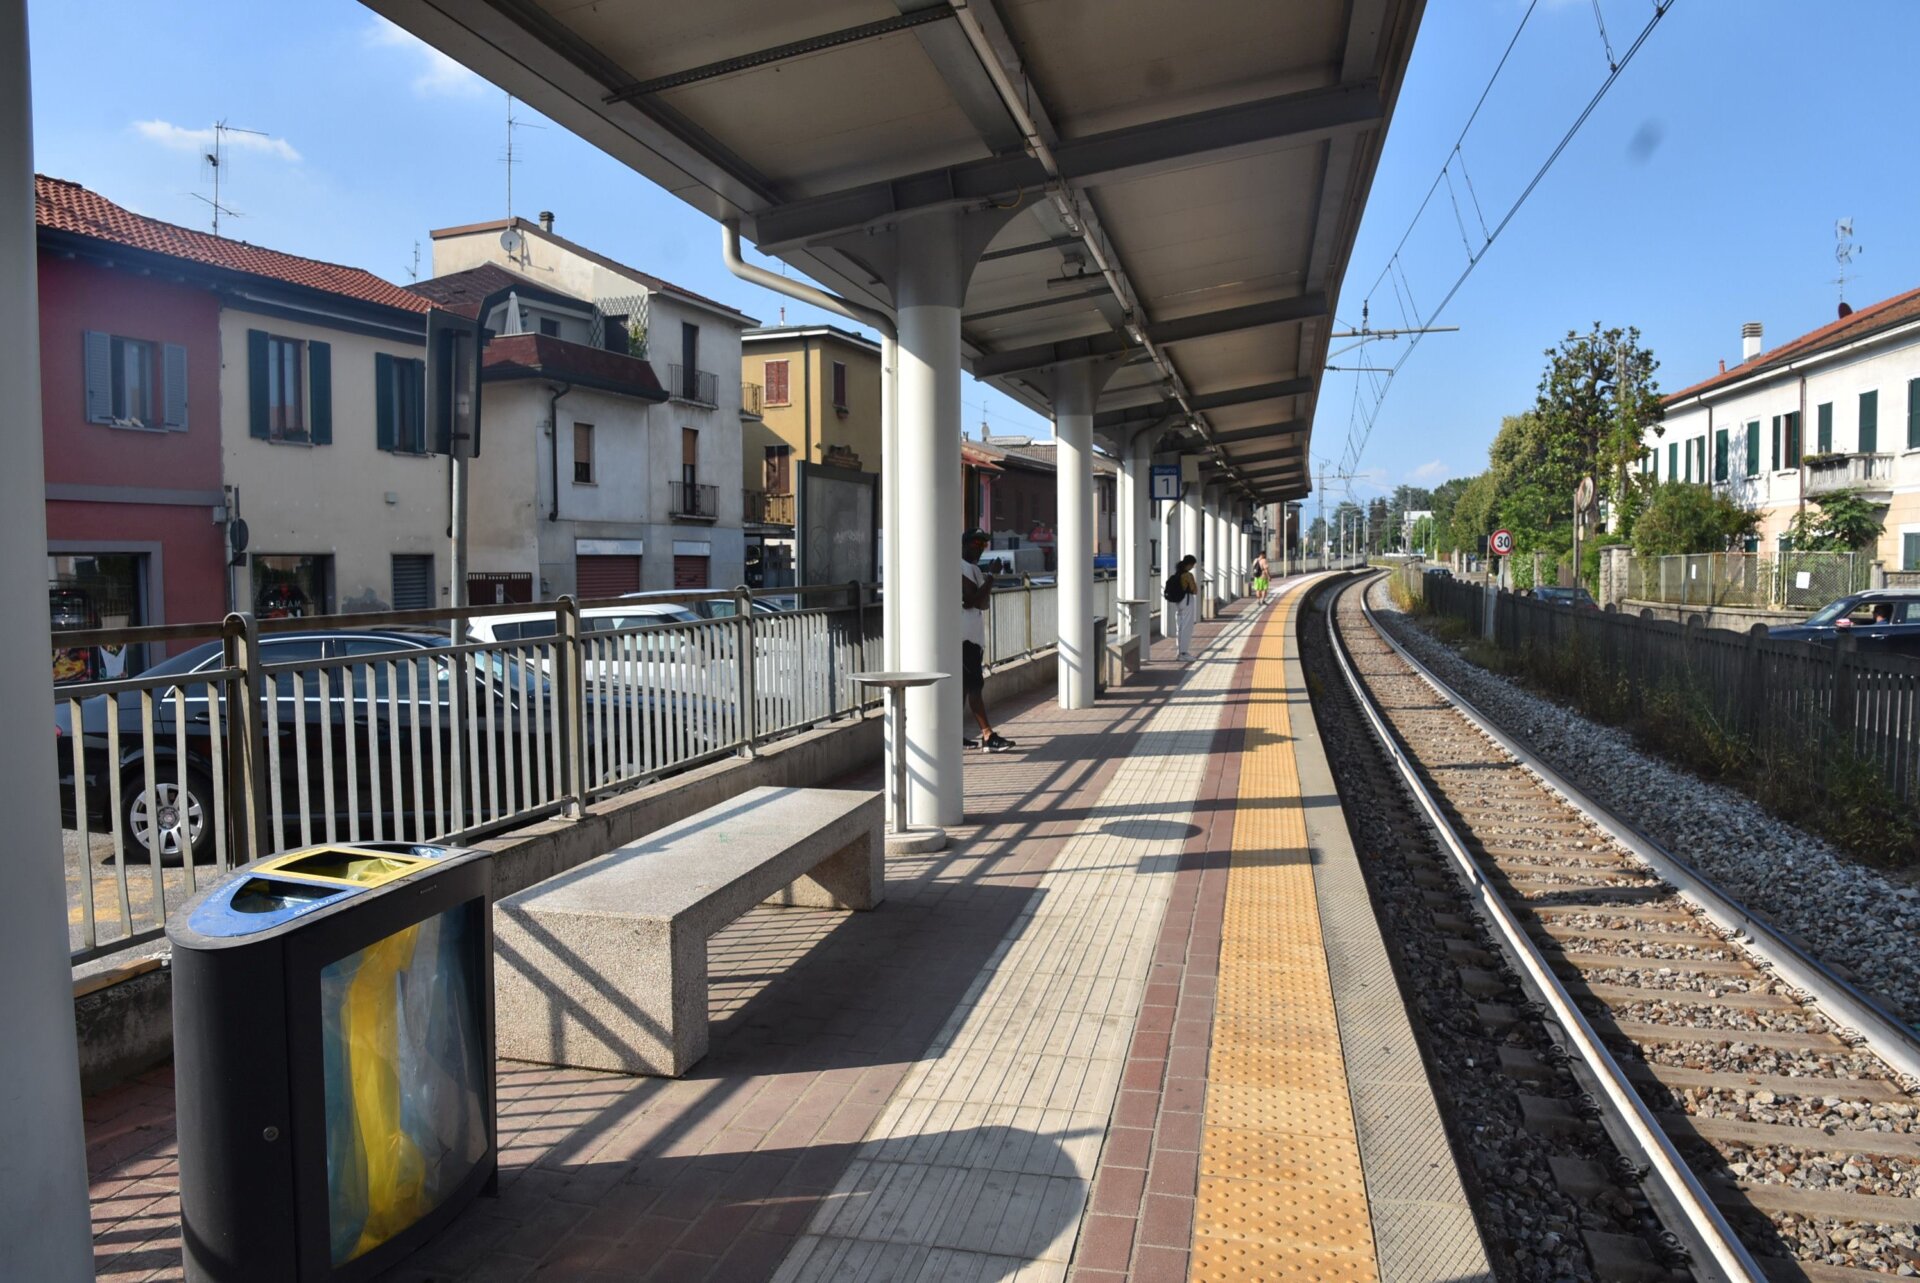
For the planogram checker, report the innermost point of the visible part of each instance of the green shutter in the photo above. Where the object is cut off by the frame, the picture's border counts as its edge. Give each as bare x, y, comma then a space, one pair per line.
320, 395
1673, 461
1910, 552
1823, 428
1720, 454
1753, 448
1776, 443
1913, 414
1869, 422
414, 387
259, 421
1796, 446
384, 399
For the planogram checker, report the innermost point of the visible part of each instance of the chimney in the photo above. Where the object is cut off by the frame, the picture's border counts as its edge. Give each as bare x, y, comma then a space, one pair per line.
1723, 365
1749, 335
546, 220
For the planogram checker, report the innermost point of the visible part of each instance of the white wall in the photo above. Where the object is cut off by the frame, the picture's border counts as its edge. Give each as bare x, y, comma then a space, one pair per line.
334, 498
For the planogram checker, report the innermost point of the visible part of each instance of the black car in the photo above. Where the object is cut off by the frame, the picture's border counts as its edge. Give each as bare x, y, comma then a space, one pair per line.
1578, 598
358, 747
1886, 620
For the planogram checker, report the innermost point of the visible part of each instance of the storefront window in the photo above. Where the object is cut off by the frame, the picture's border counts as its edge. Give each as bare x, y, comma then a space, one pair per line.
97, 590
292, 585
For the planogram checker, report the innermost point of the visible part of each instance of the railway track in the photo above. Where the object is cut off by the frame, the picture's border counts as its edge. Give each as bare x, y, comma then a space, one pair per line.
1763, 1111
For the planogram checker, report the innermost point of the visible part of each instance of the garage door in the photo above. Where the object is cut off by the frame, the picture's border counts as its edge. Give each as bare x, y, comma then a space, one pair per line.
606, 576
689, 572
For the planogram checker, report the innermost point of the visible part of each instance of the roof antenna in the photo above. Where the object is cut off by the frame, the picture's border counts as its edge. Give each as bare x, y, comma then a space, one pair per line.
1843, 251
513, 123
215, 160
413, 272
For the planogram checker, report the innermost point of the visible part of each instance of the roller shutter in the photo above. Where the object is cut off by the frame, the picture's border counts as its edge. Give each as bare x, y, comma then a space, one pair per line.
606, 576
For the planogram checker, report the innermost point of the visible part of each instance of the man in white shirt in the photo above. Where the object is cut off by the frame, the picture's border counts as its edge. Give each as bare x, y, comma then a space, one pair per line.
975, 591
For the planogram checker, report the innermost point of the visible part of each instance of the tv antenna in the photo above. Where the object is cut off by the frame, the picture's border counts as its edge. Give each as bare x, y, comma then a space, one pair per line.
1844, 250
413, 272
513, 123
216, 160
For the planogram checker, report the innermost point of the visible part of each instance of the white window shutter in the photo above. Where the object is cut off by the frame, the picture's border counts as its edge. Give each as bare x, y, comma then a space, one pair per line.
99, 372
174, 375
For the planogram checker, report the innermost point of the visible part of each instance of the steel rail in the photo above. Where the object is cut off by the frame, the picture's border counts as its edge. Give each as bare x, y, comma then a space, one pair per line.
1703, 1224
1853, 1009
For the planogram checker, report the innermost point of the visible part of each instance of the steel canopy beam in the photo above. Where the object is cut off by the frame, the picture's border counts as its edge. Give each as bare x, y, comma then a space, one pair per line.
1261, 433
778, 53
1204, 401
1294, 119
1233, 319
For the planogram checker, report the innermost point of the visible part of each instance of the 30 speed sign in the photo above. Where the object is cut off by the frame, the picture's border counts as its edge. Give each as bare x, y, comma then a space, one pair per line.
1502, 543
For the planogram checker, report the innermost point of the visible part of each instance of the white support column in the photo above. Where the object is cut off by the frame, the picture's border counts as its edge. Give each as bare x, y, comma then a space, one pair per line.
1136, 526
1074, 387
44, 1219
931, 286
1170, 515
1192, 536
1214, 562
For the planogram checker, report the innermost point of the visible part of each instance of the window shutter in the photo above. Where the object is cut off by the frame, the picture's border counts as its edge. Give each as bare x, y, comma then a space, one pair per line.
1823, 426
1753, 448
259, 422
1910, 550
320, 399
174, 372
384, 398
1913, 414
1869, 422
413, 386
99, 372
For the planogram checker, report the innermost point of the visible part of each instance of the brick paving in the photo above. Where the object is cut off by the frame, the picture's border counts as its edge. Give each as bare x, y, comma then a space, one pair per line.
819, 1019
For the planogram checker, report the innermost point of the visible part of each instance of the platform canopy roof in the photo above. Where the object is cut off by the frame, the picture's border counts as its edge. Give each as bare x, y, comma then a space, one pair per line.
1187, 175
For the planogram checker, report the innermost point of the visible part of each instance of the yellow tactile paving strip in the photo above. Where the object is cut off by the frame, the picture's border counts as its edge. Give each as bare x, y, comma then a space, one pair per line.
1281, 1193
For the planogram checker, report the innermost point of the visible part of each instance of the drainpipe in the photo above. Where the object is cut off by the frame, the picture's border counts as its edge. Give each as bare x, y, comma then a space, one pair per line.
553, 444
889, 403
806, 401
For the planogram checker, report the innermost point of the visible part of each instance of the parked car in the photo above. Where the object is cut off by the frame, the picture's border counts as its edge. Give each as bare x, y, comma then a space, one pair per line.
1886, 620
1577, 598
706, 607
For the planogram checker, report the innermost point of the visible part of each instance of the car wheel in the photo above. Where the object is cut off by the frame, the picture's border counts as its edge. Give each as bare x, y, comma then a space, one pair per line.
184, 817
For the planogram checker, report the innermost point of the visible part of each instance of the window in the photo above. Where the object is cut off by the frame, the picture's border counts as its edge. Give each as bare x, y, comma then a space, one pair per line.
583, 454
1720, 454
840, 386
400, 404
549, 327
776, 380
779, 474
1913, 414
292, 585
613, 335
1795, 447
1910, 550
289, 389
125, 388
689, 361
1869, 422
1753, 448
1823, 427
690, 456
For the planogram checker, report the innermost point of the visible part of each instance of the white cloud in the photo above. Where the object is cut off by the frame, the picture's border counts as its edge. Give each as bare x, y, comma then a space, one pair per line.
439, 76
1431, 470
180, 138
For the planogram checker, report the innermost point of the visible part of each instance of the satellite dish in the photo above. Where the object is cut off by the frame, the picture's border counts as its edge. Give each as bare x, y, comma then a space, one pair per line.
511, 240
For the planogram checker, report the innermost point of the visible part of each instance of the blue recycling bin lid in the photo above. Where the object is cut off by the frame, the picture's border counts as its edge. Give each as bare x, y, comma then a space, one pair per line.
274, 892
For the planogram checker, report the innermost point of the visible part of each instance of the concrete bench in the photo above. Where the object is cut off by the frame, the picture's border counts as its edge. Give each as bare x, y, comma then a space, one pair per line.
605, 966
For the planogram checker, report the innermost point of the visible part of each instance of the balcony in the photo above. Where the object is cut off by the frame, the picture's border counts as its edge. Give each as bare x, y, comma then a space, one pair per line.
693, 502
752, 399
764, 509
701, 387
1870, 474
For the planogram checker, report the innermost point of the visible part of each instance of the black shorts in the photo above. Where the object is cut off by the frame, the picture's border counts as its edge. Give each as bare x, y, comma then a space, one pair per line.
973, 679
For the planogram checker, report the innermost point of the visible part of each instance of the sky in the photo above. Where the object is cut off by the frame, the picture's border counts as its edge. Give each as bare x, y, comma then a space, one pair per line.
1701, 193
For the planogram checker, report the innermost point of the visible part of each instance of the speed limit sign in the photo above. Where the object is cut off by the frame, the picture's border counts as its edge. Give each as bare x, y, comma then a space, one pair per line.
1502, 543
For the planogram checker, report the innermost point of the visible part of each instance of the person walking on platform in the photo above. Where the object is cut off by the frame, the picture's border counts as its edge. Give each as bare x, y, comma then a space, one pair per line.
1260, 584
1183, 590
975, 592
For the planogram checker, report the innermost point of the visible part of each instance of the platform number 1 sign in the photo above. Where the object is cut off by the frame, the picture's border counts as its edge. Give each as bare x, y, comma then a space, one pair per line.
1502, 543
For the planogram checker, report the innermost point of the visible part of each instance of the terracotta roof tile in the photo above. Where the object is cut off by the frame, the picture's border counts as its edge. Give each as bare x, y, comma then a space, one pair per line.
68, 207
463, 292
1878, 316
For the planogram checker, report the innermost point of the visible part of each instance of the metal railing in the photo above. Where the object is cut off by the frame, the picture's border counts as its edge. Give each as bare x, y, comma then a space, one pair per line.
381, 728
685, 383
1767, 581
752, 398
765, 508
686, 500
1849, 472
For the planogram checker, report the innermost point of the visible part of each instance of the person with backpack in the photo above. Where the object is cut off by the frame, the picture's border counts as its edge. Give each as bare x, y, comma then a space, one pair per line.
1260, 581
1183, 590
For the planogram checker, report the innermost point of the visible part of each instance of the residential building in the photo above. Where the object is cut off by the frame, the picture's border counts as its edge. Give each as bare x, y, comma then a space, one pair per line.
559, 495
1020, 499
129, 373
1837, 408
809, 394
324, 444
692, 514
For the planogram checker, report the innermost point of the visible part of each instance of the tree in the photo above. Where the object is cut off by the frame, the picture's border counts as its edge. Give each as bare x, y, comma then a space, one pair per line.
1596, 398
1845, 523
1682, 517
1379, 525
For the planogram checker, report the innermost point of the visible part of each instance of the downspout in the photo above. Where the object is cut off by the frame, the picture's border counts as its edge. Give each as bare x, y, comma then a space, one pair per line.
553, 445
806, 400
889, 405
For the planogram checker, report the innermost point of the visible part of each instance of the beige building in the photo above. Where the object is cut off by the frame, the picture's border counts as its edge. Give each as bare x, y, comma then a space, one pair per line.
325, 452
1834, 409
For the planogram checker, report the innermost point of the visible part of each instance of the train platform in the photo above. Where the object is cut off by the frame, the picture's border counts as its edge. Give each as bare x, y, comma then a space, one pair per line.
1136, 1023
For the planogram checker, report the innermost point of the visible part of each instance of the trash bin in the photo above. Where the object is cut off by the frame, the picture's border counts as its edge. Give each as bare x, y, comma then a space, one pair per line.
1099, 656
333, 1059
